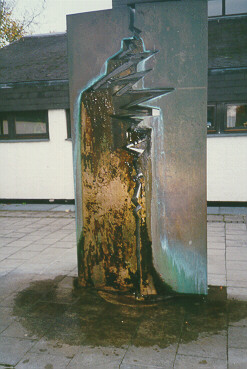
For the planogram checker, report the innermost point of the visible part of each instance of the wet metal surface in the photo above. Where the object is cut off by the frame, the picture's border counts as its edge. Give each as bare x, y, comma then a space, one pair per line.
116, 138
119, 248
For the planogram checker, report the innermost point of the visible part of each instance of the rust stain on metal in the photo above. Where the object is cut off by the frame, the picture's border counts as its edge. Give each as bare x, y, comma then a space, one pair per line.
115, 246
109, 224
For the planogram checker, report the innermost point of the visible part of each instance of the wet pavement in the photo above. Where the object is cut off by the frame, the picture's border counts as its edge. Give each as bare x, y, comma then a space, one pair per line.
47, 322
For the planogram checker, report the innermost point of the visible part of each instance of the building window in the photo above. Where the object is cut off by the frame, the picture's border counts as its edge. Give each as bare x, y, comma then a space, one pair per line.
236, 117
214, 8
235, 6
226, 7
227, 118
24, 125
211, 120
4, 128
68, 120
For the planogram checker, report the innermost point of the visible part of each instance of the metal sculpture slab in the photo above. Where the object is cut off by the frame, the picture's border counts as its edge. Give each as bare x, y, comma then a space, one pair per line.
125, 242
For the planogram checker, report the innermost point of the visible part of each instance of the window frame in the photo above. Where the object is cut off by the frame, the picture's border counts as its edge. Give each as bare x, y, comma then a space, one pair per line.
12, 135
224, 13
68, 124
215, 119
233, 129
221, 119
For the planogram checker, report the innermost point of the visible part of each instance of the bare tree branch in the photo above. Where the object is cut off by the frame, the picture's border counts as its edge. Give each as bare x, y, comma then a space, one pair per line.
11, 28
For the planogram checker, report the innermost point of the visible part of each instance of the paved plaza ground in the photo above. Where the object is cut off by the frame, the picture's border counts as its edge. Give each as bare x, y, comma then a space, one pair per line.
47, 322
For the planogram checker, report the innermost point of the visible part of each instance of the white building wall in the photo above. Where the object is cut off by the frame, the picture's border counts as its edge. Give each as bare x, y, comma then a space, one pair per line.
227, 168
38, 170
44, 170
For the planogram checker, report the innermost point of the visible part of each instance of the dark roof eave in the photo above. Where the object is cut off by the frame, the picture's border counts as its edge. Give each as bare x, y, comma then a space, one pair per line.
33, 83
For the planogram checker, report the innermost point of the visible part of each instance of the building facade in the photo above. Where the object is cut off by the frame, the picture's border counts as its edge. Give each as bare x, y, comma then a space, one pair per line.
35, 144
227, 101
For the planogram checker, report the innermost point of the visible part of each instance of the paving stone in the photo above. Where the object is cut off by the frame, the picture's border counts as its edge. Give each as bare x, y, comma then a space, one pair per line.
23, 255
214, 218
212, 258
44, 241
155, 356
234, 218
6, 240
6, 318
216, 269
216, 239
236, 253
11, 263
218, 225
51, 347
64, 244
237, 358
237, 337
213, 346
66, 282
240, 323
36, 361
216, 245
216, 252
236, 265
18, 235
52, 257
8, 301
193, 362
97, 357
17, 330
35, 247
236, 243
20, 243
235, 237
150, 366
237, 275
237, 293
12, 350
216, 231
217, 279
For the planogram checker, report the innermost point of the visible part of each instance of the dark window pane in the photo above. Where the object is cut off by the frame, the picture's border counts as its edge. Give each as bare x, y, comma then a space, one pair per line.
236, 6
30, 123
236, 116
214, 7
68, 123
5, 127
211, 119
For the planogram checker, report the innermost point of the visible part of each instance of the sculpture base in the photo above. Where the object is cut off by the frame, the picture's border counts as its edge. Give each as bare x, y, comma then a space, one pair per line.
132, 299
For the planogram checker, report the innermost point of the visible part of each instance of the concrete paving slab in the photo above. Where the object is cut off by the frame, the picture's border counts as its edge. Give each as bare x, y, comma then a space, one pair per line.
211, 346
66, 208
237, 358
215, 218
237, 275
234, 218
237, 293
51, 347
16, 330
37, 361
98, 358
52, 258
149, 366
237, 337
194, 362
12, 350
157, 356
27, 207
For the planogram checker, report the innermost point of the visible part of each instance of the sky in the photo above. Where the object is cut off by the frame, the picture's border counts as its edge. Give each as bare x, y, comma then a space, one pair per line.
53, 16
